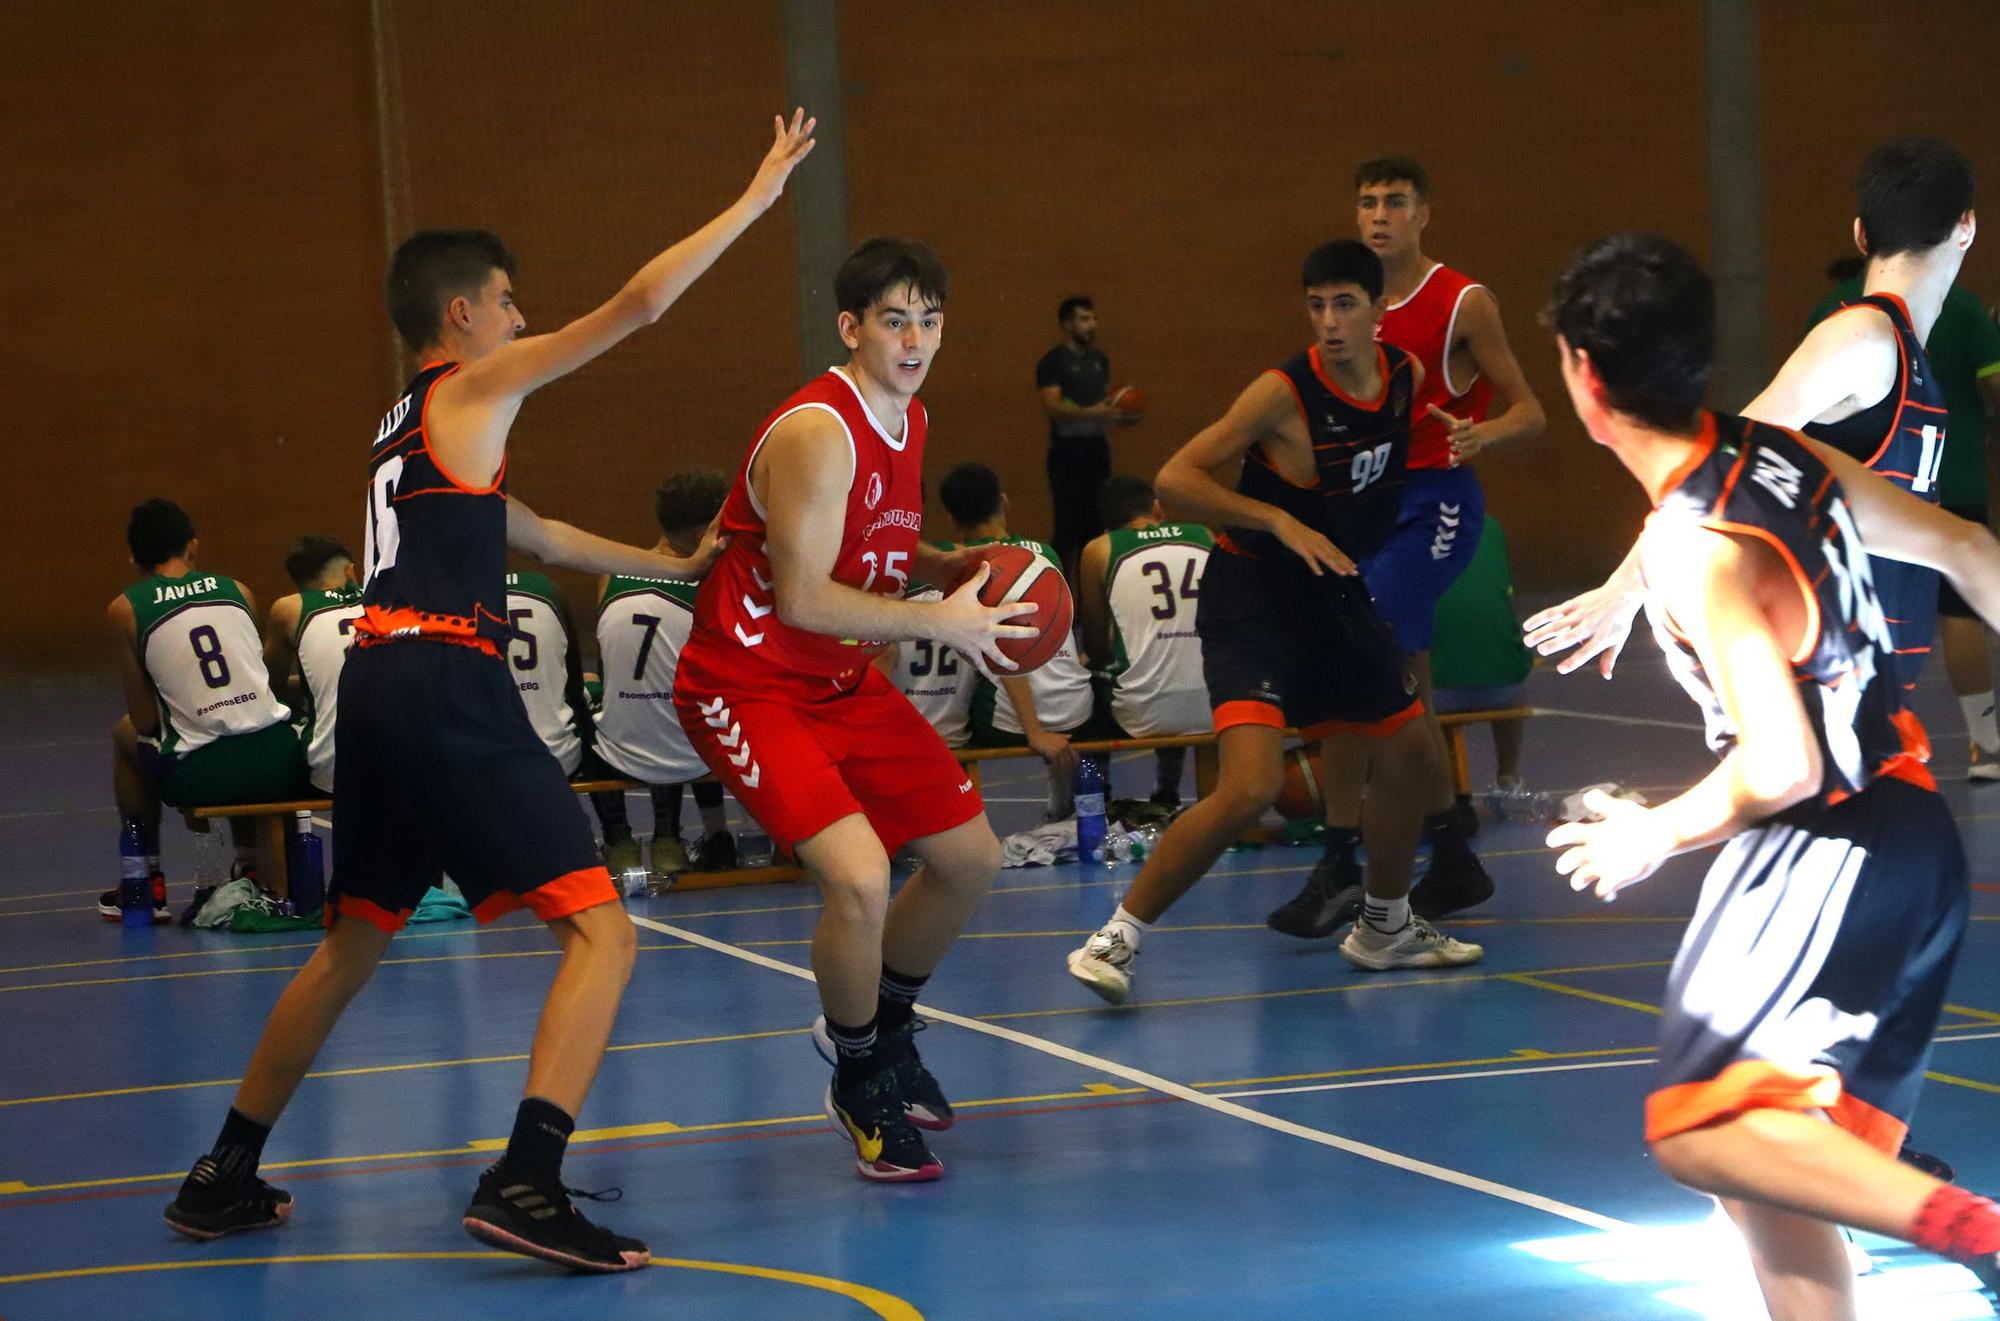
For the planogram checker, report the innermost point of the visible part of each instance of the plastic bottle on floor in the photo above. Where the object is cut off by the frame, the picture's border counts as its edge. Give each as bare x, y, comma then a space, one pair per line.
305, 867
1090, 810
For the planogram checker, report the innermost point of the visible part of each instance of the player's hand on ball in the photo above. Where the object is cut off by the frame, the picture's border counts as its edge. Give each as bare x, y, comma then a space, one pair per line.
790, 144
1622, 845
976, 628
1597, 623
1319, 554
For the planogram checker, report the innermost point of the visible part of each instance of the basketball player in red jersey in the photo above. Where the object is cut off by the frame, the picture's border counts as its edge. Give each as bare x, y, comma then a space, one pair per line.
1473, 397
777, 693
436, 763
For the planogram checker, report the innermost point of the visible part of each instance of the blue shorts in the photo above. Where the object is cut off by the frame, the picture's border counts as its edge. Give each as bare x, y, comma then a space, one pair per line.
1436, 536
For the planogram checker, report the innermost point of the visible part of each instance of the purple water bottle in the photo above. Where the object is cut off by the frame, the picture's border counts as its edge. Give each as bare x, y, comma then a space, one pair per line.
135, 877
306, 867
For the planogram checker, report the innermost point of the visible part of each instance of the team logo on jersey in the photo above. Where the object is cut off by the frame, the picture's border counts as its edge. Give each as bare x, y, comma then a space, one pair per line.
874, 495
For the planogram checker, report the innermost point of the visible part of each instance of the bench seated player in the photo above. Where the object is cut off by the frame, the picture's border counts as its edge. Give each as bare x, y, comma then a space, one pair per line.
306, 640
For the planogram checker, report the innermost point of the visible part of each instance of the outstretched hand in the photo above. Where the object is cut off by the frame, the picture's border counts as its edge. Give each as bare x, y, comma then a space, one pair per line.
1622, 844
1596, 623
790, 144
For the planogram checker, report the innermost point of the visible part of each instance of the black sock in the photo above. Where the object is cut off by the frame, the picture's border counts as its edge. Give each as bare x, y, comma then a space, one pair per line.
854, 1049
1342, 839
218, 1178
897, 1002
541, 1134
666, 810
610, 808
1446, 837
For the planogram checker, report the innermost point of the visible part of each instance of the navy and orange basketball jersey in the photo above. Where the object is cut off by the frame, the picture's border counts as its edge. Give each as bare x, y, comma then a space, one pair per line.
1361, 449
436, 558
735, 614
1424, 325
1900, 436
1754, 480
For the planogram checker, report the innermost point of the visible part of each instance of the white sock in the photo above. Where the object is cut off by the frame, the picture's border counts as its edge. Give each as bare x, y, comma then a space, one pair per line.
1979, 721
1385, 914
1135, 930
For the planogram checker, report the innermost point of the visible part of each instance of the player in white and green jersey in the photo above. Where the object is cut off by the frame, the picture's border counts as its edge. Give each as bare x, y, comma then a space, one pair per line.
548, 668
1038, 710
938, 680
310, 631
202, 725
1139, 583
642, 624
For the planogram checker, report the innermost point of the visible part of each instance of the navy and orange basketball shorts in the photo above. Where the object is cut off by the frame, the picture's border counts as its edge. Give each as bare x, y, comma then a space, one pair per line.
1282, 646
800, 754
1814, 970
438, 771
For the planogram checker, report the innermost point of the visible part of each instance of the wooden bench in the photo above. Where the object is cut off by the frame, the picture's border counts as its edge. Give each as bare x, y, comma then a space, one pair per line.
276, 818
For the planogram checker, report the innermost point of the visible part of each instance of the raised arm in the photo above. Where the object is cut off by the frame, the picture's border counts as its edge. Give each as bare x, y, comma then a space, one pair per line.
1520, 415
801, 476
552, 542
1189, 485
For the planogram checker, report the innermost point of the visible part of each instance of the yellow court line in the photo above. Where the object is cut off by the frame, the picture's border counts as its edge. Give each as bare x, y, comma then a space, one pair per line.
294, 967
1982, 1015
38, 912
246, 951
885, 1305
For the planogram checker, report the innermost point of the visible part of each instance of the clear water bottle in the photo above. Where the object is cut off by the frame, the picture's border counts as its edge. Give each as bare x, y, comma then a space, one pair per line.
135, 877
1090, 811
1519, 804
305, 864
753, 849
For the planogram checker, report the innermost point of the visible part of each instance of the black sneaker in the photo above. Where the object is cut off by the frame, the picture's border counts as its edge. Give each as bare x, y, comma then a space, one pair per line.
201, 1211
539, 1220
1449, 885
107, 903
1330, 900
871, 1115
716, 852
202, 894
1465, 815
923, 1100
1935, 1166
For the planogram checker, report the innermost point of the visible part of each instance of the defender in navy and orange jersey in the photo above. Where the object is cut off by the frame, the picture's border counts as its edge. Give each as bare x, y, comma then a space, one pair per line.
778, 695
1473, 397
1812, 974
1288, 634
1858, 381
435, 762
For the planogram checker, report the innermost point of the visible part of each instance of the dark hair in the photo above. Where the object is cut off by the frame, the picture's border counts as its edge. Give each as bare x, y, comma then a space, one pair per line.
1842, 269
689, 499
971, 494
1343, 261
881, 264
157, 531
1645, 313
1910, 193
1122, 499
431, 268
310, 555
1071, 305
1393, 169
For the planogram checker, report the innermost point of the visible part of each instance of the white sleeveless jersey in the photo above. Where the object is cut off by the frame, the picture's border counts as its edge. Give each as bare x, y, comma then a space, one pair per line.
539, 655
201, 648
642, 625
326, 623
937, 680
1153, 582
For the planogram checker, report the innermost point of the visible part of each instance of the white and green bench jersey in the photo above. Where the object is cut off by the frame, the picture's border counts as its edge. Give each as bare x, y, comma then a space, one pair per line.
1060, 689
936, 678
200, 645
642, 624
326, 624
1153, 581
539, 654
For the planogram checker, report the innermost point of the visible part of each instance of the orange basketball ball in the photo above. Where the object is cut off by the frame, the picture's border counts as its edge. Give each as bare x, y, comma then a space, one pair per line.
1021, 575
1127, 399
1300, 798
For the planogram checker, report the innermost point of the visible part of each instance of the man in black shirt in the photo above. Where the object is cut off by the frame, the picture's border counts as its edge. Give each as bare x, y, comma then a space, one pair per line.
1074, 379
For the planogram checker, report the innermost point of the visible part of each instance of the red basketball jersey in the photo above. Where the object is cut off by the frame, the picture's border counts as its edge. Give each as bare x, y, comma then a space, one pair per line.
1424, 325
736, 626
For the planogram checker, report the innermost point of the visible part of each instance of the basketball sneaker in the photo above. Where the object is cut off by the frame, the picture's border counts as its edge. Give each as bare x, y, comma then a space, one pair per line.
205, 1210
1417, 945
715, 852
1105, 964
1984, 767
870, 1113
1330, 900
1449, 885
107, 903
539, 1220
923, 1100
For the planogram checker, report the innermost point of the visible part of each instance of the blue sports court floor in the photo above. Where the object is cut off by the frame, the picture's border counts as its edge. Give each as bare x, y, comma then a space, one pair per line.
1263, 1133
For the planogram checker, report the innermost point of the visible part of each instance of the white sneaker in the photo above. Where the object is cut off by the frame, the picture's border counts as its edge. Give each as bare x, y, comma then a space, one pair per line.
1417, 945
1984, 769
1104, 964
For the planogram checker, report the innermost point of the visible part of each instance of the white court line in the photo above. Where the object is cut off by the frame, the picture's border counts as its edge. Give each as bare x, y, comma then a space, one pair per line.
1433, 1077
1607, 717
1443, 1174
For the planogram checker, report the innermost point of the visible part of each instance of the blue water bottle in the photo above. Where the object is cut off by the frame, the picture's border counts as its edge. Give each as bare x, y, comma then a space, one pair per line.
305, 865
135, 877
1089, 809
